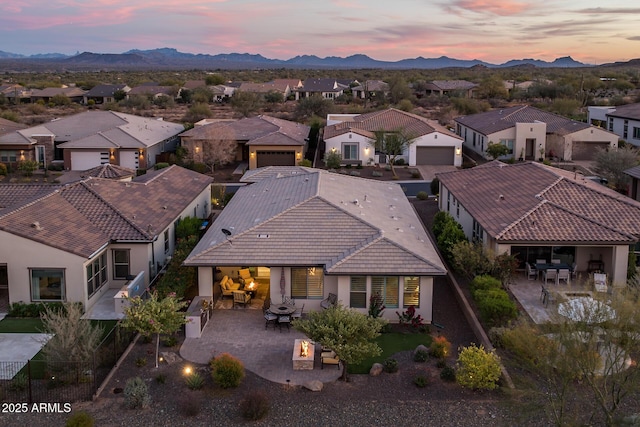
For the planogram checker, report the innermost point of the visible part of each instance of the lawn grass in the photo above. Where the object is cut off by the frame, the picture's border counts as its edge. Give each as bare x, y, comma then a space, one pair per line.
31, 325
391, 343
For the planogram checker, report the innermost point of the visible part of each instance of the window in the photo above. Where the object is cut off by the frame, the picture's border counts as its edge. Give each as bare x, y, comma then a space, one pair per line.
166, 241
387, 287
636, 133
8, 156
96, 274
411, 291
448, 202
610, 124
625, 130
358, 296
478, 232
4, 277
307, 283
474, 139
47, 284
349, 151
508, 143
120, 263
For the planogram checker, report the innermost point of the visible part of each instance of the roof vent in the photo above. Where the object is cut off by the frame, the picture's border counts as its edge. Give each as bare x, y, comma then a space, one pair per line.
501, 197
37, 226
164, 207
263, 236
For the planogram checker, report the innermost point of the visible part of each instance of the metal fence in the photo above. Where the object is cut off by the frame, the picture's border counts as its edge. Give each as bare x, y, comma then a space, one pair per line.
41, 381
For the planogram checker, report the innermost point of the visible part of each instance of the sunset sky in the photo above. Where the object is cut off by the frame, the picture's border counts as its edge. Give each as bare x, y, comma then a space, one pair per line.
494, 31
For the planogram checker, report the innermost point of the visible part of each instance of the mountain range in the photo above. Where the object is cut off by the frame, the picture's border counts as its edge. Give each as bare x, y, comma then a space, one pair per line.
169, 58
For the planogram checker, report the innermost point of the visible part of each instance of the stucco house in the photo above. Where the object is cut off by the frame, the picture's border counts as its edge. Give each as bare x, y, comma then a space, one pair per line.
325, 88
102, 94
623, 120
370, 88
261, 140
74, 242
75, 94
451, 87
92, 138
354, 136
318, 233
532, 134
535, 212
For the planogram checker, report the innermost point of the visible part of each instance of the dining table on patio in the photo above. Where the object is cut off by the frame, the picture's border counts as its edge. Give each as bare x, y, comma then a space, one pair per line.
543, 267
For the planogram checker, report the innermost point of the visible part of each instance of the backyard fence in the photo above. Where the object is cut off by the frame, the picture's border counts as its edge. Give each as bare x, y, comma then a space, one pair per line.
37, 380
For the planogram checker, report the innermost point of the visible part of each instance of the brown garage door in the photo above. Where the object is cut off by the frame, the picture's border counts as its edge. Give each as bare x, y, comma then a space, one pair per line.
586, 150
434, 155
276, 158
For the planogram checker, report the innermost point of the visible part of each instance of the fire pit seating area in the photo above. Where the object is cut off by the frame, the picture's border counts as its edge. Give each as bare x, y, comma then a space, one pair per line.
227, 286
329, 357
303, 355
245, 276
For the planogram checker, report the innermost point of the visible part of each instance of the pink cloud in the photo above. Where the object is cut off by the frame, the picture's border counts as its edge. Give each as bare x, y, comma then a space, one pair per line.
494, 7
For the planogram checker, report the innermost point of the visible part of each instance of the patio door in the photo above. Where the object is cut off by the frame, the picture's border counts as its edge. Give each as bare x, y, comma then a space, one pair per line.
40, 156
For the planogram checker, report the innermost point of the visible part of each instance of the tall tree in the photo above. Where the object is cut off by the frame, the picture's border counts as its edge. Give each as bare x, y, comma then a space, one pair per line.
218, 147
611, 164
393, 144
348, 333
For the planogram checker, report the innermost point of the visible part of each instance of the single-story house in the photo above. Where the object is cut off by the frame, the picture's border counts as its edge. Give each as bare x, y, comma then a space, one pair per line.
535, 212
75, 94
623, 120
101, 94
451, 87
85, 140
263, 89
370, 88
73, 242
326, 88
532, 134
320, 233
154, 91
354, 136
261, 140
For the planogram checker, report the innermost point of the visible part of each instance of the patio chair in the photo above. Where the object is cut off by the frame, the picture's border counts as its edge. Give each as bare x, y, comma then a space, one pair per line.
241, 297
329, 358
556, 261
541, 261
564, 274
284, 320
269, 317
600, 282
532, 273
330, 301
551, 274
298, 313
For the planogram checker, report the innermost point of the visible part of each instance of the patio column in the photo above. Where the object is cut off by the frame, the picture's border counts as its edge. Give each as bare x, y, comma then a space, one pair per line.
205, 281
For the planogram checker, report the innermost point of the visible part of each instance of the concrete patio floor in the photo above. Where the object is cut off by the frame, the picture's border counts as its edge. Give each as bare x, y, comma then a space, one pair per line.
265, 352
528, 293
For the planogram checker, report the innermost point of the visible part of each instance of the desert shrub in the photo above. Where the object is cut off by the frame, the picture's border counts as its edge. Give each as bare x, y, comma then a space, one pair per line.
28, 167
448, 374
440, 347
390, 365
200, 167
421, 356
3, 169
495, 306
226, 371
484, 283
441, 364
254, 406
305, 162
161, 378
141, 361
189, 406
415, 174
57, 167
161, 165
136, 393
478, 368
422, 195
421, 381
332, 159
80, 419
399, 162
447, 232
195, 381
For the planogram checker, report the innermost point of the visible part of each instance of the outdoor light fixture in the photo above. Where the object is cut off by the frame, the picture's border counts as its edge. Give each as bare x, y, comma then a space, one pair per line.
187, 370
458, 151
197, 149
253, 154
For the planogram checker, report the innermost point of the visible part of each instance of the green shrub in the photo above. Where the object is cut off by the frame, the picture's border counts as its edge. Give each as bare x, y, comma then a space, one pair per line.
195, 381
440, 347
441, 364
200, 168
57, 167
390, 365
415, 174
226, 371
187, 227
20, 309
305, 163
421, 356
189, 406
170, 341
28, 167
421, 381
19, 382
3, 169
80, 419
399, 162
161, 165
484, 282
254, 406
495, 306
422, 195
448, 374
435, 185
161, 379
478, 368
141, 361
136, 393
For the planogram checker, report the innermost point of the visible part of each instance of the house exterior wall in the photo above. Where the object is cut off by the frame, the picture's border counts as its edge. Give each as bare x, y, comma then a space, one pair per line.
617, 126
366, 149
518, 133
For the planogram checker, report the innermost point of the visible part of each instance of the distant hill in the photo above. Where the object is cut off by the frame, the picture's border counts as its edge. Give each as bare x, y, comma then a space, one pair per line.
170, 59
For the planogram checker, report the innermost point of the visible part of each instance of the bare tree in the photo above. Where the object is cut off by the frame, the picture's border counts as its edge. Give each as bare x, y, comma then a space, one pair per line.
611, 164
217, 147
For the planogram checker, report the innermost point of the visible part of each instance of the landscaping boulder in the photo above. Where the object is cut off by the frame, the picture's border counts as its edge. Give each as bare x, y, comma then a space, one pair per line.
313, 385
376, 369
420, 348
170, 357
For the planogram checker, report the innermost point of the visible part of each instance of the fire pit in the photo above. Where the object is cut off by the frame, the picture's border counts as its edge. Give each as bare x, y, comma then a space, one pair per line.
303, 355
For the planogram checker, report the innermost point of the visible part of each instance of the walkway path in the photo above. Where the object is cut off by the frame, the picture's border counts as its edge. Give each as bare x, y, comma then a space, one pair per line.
265, 352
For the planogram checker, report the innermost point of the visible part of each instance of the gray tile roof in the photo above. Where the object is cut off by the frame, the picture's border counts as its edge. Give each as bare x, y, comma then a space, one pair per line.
494, 121
530, 202
101, 91
268, 172
323, 85
633, 172
83, 216
324, 219
7, 126
452, 84
629, 111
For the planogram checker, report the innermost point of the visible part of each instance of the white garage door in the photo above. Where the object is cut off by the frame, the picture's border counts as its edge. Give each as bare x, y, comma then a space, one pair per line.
129, 159
83, 160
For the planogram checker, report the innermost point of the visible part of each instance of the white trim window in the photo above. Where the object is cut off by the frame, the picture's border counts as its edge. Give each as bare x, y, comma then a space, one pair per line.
411, 292
167, 246
47, 284
96, 274
388, 288
349, 151
508, 143
307, 283
358, 292
121, 261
